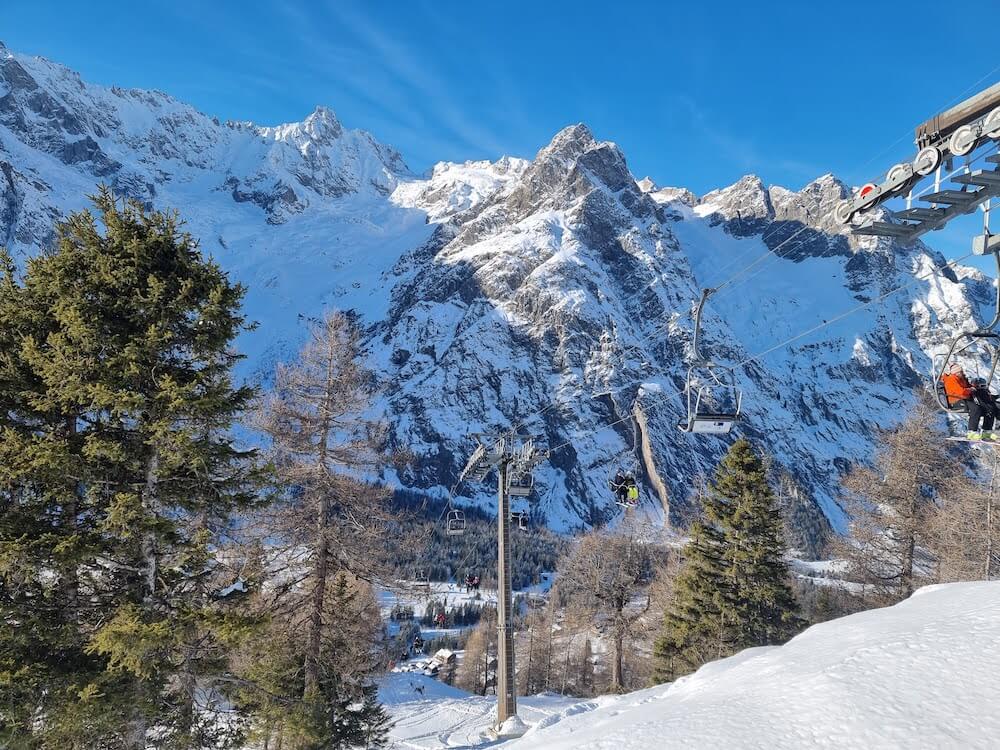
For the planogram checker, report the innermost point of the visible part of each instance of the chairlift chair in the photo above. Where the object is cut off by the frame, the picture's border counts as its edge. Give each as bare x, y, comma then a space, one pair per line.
520, 519
619, 489
455, 524
712, 397
986, 339
707, 386
521, 486
988, 342
423, 582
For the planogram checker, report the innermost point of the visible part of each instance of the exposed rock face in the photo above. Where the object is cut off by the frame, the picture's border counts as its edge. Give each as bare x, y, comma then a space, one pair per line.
552, 294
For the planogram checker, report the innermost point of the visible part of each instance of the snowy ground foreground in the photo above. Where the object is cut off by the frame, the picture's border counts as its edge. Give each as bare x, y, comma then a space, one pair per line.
446, 717
925, 673
922, 674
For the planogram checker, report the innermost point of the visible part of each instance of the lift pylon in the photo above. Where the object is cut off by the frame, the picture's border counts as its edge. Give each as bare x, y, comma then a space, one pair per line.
514, 459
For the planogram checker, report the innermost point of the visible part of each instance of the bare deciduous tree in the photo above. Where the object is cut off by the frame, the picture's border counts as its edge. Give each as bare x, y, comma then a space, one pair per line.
964, 527
604, 579
892, 505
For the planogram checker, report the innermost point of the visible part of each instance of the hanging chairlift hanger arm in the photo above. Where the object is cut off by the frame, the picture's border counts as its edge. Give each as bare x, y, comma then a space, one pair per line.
696, 338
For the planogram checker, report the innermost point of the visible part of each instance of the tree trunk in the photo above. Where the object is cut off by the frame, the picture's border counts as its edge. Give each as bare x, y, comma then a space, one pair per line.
69, 580
616, 667
150, 502
136, 736
321, 567
320, 572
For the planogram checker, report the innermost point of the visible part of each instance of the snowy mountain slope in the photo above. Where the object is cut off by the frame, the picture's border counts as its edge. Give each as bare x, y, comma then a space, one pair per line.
922, 674
298, 212
512, 292
577, 280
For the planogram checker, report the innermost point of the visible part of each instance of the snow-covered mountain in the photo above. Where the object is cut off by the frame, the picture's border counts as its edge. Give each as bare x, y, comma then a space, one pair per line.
552, 293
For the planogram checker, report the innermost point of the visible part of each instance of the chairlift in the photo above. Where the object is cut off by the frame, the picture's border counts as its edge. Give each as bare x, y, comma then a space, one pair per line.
521, 486
623, 485
712, 396
520, 519
455, 523
422, 581
978, 347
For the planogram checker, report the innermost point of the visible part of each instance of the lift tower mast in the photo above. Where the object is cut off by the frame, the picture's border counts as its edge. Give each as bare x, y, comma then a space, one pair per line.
514, 458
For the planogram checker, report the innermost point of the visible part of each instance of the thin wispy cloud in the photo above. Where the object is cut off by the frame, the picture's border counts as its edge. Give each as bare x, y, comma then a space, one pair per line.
417, 74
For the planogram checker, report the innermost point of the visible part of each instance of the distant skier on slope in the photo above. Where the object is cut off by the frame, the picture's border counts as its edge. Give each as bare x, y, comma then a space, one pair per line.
979, 402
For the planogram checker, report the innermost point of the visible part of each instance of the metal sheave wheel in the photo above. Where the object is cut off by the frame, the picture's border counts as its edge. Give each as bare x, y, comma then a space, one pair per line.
896, 173
927, 160
991, 125
844, 211
962, 141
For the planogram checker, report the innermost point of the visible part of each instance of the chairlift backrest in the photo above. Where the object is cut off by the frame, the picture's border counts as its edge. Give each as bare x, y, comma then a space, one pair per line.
456, 522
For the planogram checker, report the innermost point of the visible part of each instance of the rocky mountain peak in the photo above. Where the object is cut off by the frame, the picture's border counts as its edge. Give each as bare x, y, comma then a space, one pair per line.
646, 185
323, 126
567, 144
573, 165
747, 198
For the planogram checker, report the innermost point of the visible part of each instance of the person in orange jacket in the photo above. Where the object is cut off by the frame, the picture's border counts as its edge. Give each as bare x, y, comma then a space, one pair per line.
979, 403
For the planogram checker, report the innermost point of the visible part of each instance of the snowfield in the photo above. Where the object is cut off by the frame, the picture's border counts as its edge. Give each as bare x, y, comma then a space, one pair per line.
922, 674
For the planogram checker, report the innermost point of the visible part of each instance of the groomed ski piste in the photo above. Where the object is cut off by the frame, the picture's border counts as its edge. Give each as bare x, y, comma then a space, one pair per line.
922, 674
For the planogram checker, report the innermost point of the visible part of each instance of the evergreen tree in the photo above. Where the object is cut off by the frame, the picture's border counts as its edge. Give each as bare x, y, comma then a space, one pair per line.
732, 592
118, 440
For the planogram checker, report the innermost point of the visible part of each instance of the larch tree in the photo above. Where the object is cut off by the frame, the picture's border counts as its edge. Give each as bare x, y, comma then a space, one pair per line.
477, 671
892, 505
327, 523
604, 579
964, 526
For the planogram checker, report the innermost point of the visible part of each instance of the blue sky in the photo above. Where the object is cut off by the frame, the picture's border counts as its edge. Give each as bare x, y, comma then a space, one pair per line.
696, 94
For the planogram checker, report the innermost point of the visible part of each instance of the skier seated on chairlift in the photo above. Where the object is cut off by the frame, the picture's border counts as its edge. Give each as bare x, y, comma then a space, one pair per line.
980, 403
619, 486
631, 490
